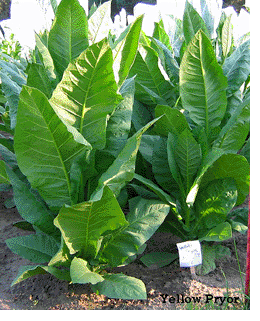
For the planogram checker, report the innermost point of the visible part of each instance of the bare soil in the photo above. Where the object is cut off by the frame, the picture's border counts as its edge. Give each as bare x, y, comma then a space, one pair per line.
45, 292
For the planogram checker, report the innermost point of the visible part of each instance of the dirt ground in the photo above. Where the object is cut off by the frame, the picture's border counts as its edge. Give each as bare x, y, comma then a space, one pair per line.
45, 292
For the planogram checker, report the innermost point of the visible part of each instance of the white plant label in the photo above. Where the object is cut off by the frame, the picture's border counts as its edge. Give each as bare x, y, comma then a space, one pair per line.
189, 253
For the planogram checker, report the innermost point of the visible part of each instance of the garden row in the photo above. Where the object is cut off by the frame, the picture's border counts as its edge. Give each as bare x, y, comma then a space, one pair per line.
95, 123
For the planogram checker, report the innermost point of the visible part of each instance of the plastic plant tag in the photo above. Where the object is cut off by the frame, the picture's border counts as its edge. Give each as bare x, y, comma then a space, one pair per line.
189, 253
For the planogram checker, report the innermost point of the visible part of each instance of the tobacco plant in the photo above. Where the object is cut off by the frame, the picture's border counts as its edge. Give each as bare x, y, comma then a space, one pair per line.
72, 156
190, 158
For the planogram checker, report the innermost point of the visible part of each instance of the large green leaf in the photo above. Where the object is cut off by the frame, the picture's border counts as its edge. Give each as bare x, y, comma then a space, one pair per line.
27, 271
99, 23
237, 67
143, 220
173, 121
226, 36
233, 135
37, 248
126, 50
214, 202
119, 124
202, 84
187, 156
31, 208
87, 93
81, 273
45, 148
233, 166
151, 86
192, 23
83, 224
158, 259
219, 233
120, 286
68, 35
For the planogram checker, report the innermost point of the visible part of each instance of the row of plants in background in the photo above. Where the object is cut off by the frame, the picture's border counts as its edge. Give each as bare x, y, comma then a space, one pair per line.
100, 123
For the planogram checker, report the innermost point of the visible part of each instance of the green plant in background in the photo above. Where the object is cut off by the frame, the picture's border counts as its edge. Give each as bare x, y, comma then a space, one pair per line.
11, 47
192, 150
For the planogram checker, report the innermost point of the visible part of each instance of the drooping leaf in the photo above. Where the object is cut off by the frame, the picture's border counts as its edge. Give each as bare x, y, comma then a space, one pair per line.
37, 248
83, 224
62, 257
27, 271
120, 286
87, 93
202, 84
80, 272
31, 208
45, 148
143, 220
68, 35
158, 259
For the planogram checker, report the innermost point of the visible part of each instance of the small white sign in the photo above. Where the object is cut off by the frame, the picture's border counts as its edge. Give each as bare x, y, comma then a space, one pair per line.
189, 253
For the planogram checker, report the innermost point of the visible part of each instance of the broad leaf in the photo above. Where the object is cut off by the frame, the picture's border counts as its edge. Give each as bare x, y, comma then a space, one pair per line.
187, 156
212, 156
237, 67
160, 166
68, 35
38, 78
192, 23
144, 219
233, 135
214, 202
210, 254
62, 257
125, 52
120, 286
173, 121
27, 271
158, 259
221, 232
37, 248
87, 93
202, 84
99, 23
30, 207
233, 166
119, 124
45, 148
226, 37
80, 272
151, 86
83, 224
